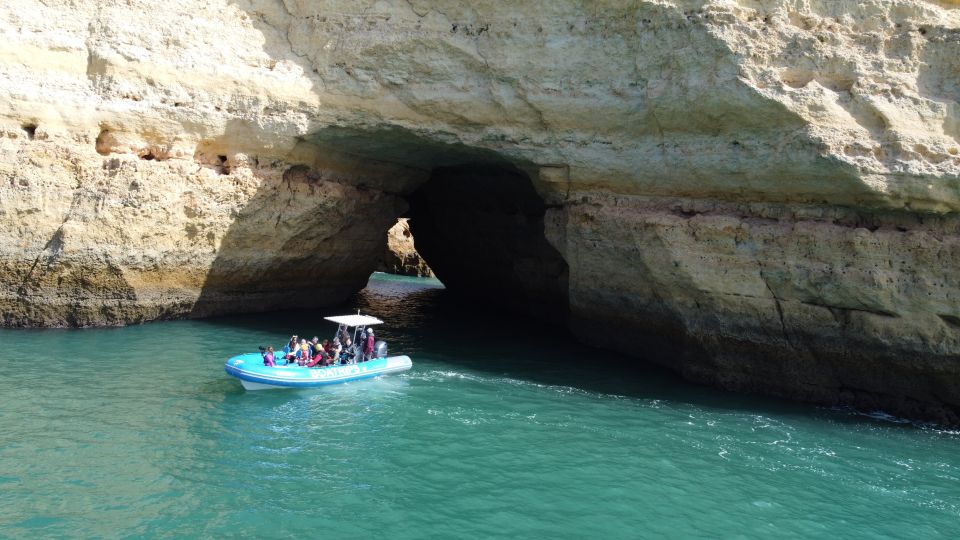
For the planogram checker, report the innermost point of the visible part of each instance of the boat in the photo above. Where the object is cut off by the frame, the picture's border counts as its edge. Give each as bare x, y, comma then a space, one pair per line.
253, 375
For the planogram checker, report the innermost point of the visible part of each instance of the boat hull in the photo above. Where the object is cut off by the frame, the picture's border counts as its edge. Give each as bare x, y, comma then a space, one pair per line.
254, 375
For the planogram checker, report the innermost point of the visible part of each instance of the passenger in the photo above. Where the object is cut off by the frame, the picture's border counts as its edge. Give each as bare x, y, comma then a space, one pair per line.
290, 351
319, 355
268, 358
368, 346
347, 351
303, 357
319, 359
335, 350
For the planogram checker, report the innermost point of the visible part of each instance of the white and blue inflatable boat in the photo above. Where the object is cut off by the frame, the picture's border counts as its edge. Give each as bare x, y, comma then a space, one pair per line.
254, 375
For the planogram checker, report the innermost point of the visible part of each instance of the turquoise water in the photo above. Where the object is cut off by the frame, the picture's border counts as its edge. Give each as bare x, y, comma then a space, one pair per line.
502, 428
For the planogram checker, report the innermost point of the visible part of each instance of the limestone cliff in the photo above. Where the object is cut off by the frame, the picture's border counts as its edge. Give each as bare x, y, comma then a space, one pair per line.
767, 188
401, 256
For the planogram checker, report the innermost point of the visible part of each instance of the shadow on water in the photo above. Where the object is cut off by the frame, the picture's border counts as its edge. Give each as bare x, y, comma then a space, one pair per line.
442, 331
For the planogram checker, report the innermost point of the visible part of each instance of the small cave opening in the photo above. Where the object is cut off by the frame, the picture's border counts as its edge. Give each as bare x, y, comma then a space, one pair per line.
223, 167
30, 130
480, 228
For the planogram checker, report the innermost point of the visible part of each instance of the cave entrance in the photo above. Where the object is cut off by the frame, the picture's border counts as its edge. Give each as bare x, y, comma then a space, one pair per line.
480, 228
474, 214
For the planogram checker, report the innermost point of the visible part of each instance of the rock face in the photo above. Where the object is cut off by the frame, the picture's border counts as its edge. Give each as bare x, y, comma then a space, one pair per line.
767, 190
401, 256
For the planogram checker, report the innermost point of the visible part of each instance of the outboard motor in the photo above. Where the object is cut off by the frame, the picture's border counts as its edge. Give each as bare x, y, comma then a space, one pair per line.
380, 349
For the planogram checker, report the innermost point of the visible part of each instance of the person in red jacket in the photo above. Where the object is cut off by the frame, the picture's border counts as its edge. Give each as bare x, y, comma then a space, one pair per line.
368, 345
319, 356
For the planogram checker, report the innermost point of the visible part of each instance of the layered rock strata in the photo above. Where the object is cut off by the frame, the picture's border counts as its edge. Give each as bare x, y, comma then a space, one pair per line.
766, 188
823, 304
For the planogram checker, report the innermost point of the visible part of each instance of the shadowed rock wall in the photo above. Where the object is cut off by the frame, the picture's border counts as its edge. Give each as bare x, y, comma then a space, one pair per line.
481, 228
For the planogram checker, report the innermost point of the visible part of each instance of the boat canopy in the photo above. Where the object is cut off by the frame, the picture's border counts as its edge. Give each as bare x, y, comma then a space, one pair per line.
355, 320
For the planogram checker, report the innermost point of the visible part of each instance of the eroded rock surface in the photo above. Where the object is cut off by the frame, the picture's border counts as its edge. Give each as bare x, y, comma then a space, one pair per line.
767, 188
401, 256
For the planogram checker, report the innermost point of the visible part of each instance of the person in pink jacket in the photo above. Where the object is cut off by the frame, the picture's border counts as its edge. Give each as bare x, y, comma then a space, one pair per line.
268, 359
